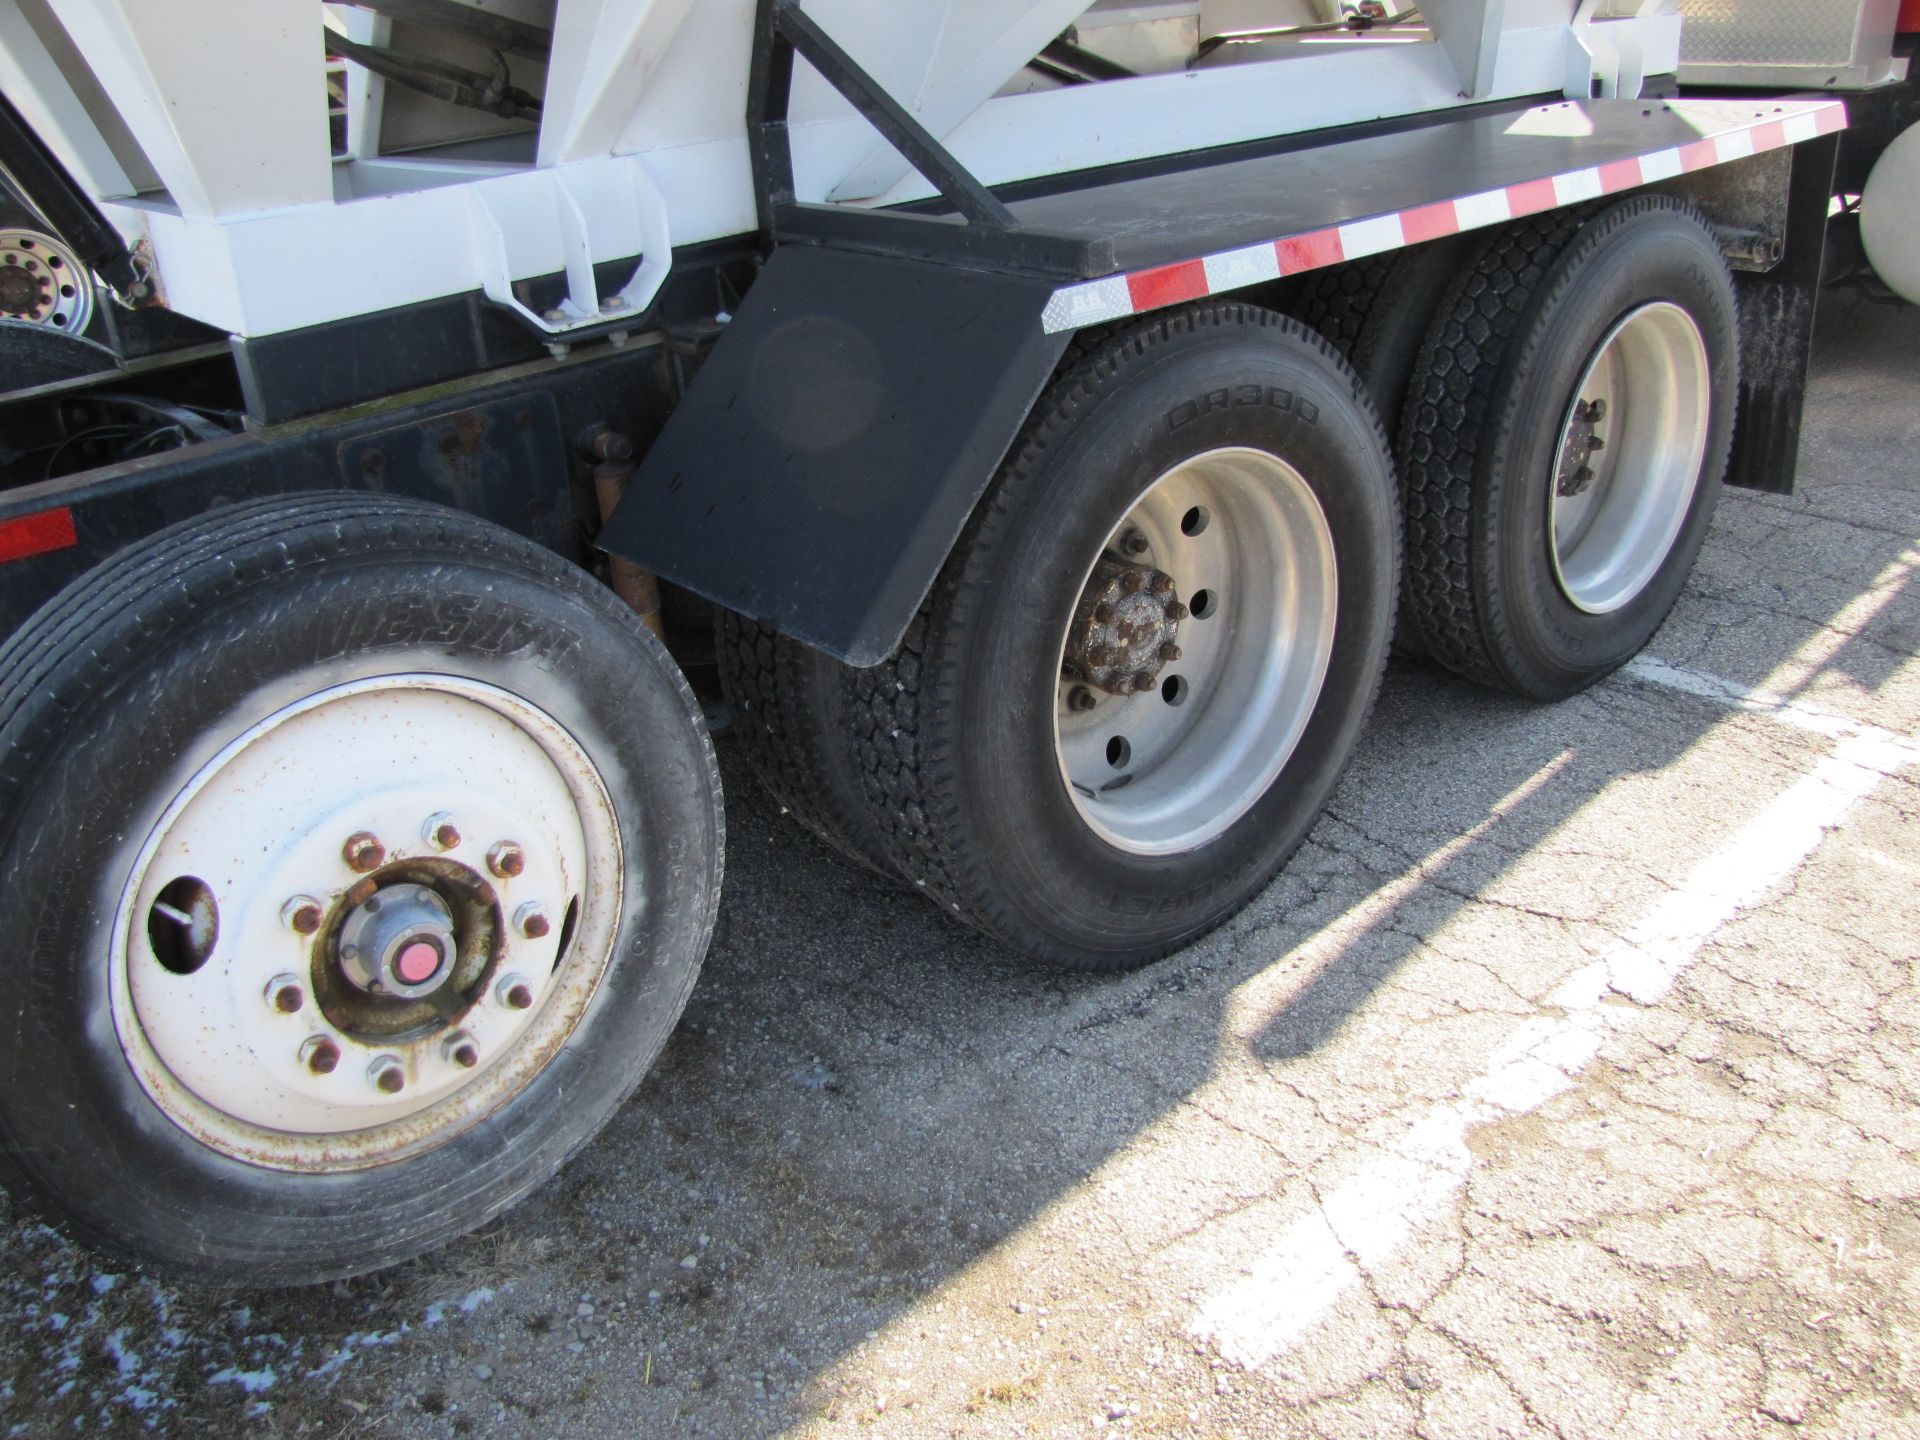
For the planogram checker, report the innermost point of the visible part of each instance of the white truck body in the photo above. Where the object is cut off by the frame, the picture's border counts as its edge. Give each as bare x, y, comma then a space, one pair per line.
200, 126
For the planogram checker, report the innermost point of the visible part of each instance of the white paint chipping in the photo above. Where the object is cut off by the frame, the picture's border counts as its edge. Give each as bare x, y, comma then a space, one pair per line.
1365, 1220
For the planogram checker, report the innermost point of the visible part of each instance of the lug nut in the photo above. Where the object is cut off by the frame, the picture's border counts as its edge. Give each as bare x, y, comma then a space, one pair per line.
531, 920
1103, 612
1134, 543
460, 1050
1594, 442
506, 859
363, 852
441, 832
285, 995
387, 1076
1143, 683
1132, 581
320, 1055
301, 914
514, 992
1099, 655
1162, 584
1175, 610
1170, 652
1080, 698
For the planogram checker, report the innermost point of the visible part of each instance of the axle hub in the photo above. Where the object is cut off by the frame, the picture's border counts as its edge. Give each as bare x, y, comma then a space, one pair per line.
1125, 627
399, 941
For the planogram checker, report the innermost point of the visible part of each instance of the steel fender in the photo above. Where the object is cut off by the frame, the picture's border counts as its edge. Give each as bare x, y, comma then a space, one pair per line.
827, 454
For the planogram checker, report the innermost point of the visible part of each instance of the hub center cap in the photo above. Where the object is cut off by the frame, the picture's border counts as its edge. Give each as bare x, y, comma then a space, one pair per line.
398, 941
19, 291
1125, 627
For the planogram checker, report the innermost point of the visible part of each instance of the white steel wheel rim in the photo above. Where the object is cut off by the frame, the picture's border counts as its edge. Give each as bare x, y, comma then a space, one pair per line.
264, 822
1255, 652
43, 281
1652, 376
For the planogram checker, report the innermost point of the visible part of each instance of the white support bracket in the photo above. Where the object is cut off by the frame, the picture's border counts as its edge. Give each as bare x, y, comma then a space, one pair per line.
584, 308
1608, 58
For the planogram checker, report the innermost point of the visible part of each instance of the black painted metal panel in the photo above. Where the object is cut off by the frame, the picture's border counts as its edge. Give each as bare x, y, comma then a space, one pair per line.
828, 452
1776, 331
499, 450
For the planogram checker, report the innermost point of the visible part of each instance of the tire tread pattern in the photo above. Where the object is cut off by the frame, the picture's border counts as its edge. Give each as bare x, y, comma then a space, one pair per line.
1447, 430
785, 727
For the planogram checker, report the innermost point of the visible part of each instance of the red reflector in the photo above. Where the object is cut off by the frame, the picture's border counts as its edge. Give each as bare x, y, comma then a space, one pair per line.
1909, 20
37, 534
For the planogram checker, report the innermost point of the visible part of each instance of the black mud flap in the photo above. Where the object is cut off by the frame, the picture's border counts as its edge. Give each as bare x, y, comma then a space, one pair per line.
831, 447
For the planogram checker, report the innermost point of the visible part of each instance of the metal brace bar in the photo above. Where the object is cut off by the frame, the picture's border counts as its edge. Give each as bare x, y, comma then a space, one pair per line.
781, 28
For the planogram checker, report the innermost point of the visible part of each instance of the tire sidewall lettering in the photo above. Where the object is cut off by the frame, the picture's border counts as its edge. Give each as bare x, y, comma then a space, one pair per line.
1228, 397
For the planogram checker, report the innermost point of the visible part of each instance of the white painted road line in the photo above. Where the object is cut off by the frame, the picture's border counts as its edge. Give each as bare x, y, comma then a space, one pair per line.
1364, 1221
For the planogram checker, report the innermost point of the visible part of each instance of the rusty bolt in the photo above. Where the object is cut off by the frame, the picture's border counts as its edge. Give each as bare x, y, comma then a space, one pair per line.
531, 920
1098, 655
1594, 442
460, 1049
1143, 682
373, 462
285, 995
1080, 698
387, 1076
1131, 582
320, 1055
1162, 584
1134, 543
1169, 652
1176, 611
506, 859
301, 914
363, 852
514, 992
441, 832
1103, 612
1595, 412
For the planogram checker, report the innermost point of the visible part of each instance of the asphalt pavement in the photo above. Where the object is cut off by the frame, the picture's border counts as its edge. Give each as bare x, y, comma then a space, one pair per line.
1566, 1084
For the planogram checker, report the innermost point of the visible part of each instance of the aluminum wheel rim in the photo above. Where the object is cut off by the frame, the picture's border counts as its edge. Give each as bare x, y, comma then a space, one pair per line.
43, 281
1617, 507
261, 826
1258, 578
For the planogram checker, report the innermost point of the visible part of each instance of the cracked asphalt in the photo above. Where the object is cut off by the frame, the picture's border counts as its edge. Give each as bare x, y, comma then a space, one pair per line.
1565, 1084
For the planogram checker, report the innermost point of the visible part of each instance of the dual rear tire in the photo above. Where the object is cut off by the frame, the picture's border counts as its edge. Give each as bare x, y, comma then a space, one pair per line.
1147, 661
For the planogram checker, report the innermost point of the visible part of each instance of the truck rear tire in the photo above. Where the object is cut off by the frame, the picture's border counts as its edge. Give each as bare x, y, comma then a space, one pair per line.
1377, 312
1562, 449
792, 713
359, 858
1149, 658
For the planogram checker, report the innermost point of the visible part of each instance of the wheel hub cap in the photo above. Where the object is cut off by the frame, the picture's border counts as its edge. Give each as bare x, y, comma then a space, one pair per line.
1125, 628
399, 941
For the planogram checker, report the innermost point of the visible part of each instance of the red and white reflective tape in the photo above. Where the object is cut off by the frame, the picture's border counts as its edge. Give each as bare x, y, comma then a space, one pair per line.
1114, 297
